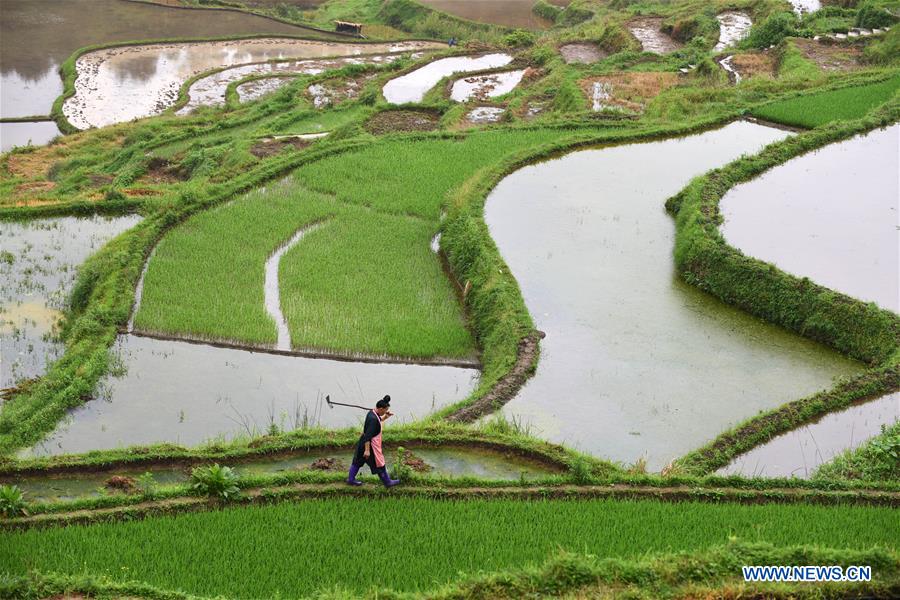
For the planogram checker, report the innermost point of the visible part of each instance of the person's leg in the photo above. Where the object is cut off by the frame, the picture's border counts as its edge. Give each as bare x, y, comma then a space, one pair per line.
351, 476
385, 478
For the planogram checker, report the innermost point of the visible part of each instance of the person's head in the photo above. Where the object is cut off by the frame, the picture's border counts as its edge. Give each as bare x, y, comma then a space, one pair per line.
383, 405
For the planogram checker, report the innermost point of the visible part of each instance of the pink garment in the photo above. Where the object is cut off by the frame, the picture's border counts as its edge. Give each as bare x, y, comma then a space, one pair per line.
376, 446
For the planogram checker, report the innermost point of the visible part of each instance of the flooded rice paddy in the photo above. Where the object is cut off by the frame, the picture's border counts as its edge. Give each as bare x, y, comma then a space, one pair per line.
799, 452
647, 31
805, 6
38, 264
485, 114
413, 86
36, 36
441, 462
187, 393
482, 87
636, 363
509, 13
583, 53
830, 215
210, 90
120, 84
28, 133
257, 88
733, 27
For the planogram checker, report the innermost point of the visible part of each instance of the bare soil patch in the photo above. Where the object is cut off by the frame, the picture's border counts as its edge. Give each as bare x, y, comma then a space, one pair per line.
393, 121
629, 91
583, 53
754, 64
271, 147
161, 171
416, 463
830, 56
34, 187
140, 192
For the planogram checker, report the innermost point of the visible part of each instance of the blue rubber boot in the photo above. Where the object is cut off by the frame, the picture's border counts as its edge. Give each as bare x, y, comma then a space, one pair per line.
386, 479
351, 476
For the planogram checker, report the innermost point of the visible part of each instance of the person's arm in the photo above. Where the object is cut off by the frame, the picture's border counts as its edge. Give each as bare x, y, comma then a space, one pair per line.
369, 431
386, 415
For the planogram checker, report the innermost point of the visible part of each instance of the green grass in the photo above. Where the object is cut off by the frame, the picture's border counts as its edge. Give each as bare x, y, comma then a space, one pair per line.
876, 460
817, 109
413, 544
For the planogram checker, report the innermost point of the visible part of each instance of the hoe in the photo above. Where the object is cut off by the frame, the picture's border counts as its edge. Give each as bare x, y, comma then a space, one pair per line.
332, 404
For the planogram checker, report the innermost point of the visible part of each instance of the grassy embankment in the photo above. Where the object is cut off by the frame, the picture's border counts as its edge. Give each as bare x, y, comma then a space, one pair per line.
260, 551
712, 573
858, 329
876, 460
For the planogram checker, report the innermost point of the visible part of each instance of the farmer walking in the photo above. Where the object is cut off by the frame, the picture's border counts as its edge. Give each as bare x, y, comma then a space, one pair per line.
368, 448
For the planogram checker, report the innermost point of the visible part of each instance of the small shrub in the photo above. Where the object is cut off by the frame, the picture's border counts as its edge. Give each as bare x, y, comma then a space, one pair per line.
400, 470
146, 485
773, 30
871, 16
519, 38
216, 480
12, 501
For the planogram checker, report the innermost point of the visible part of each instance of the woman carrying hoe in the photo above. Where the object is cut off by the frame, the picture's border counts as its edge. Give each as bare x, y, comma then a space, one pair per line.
368, 448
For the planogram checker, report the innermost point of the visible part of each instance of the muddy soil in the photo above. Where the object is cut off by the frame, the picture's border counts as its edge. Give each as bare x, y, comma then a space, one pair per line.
416, 463
830, 56
583, 53
335, 91
271, 146
647, 31
328, 463
161, 171
395, 121
628, 91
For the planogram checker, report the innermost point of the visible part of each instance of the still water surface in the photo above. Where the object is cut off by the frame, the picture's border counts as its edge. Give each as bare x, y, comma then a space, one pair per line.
637, 363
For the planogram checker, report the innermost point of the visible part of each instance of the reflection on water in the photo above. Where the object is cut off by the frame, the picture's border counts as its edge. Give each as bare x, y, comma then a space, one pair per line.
797, 453
188, 393
637, 363
481, 87
830, 215
30, 133
125, 83
509, 13
210, 90
38, 264
413, 86
36, 36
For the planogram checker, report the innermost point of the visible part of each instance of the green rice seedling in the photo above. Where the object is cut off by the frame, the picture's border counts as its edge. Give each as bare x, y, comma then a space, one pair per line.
12, 501
253, 552
368, 282
814, 110
216, 480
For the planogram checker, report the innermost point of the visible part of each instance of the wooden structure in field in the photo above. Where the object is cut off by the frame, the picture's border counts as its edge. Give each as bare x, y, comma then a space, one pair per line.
348, 27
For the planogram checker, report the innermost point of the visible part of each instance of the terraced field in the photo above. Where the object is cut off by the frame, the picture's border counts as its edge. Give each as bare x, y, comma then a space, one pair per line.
627, 272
